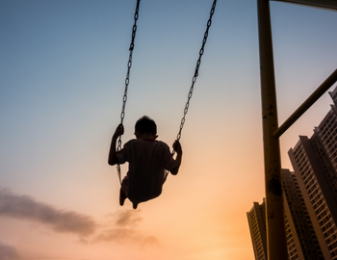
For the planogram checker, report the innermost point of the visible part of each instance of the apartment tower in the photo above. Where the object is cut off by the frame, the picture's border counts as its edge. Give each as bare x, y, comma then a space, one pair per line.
257, 226
302, 242
315, 164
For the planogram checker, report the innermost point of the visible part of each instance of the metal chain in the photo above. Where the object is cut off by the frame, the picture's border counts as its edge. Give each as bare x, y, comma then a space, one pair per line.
196, 72
127, 80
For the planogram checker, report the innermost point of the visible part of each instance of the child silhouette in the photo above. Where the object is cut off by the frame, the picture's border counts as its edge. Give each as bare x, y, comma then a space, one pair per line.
148, 159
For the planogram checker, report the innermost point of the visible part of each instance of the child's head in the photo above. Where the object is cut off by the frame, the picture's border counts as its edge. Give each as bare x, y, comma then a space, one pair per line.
146, 127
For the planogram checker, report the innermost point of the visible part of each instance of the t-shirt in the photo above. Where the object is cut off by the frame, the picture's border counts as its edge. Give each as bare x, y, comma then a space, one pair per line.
148, 160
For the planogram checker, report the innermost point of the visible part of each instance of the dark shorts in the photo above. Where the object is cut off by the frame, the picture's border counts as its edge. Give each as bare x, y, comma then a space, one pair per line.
141, 190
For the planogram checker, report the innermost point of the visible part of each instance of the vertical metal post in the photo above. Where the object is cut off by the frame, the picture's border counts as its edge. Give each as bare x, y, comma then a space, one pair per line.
276, 239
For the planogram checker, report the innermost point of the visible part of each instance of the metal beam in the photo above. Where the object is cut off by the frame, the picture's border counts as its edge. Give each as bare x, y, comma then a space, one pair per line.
276, 239
307, 104
328, 4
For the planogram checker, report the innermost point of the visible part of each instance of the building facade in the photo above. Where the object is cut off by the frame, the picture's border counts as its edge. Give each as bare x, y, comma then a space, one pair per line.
257, 226
315, 164
302, 242
310, 196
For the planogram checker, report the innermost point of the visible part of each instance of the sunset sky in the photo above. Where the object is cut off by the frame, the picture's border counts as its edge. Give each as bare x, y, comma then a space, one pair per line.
62, 73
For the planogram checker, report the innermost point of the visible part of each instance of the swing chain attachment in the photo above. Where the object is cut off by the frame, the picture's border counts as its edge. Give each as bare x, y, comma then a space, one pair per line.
196, 72
127, 80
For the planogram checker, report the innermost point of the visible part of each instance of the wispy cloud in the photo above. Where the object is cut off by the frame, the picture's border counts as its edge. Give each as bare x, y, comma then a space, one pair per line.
124, 232
24, 207
121, 228
126, 218
8, 252
126, 236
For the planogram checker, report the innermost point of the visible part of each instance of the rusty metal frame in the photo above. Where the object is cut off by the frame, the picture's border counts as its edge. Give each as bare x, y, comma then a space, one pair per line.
276, 238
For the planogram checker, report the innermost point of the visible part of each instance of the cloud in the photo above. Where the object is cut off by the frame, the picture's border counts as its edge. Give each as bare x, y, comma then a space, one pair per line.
24, 207
8, 252
124, 232
126, 236
126, 218
120, 229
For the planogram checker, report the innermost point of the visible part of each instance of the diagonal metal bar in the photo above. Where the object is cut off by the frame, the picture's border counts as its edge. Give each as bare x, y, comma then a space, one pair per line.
328, 4
307, 104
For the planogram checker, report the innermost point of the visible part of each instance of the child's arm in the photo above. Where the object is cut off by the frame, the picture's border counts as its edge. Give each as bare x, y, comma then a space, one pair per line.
178, 149
112, 154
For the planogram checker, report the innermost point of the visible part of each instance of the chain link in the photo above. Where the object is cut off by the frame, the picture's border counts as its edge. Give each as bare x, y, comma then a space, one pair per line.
127, 80
196, 72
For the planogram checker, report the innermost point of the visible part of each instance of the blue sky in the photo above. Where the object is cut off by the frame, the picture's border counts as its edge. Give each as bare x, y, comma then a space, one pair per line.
62, 72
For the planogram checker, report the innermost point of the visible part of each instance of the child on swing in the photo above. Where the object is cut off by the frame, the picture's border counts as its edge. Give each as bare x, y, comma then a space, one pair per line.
148, 159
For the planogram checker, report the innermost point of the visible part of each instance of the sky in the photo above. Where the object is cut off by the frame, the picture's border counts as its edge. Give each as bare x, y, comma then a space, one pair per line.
62, 71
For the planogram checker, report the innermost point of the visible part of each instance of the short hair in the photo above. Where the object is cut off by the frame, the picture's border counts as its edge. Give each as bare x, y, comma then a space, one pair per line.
146, 125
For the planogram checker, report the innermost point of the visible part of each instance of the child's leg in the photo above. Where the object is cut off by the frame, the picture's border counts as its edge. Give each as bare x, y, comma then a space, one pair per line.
123, 193
125, 185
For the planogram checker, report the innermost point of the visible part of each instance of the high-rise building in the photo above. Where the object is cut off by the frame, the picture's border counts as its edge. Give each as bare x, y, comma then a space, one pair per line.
310, 196
302, 242
315, 164
257, 226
